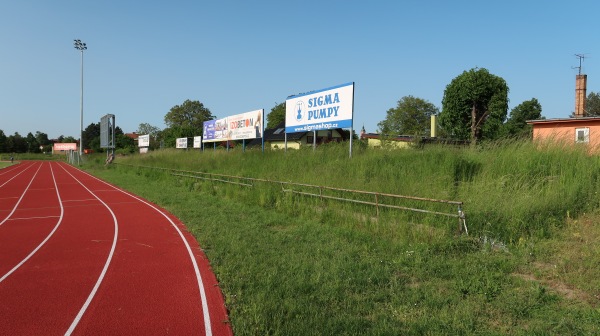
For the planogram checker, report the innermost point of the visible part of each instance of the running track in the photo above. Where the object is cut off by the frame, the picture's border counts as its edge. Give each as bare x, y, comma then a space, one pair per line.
79, 256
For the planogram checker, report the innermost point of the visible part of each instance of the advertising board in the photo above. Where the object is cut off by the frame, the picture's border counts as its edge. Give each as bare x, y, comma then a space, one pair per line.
320, 110
215, 130
181, 143
198, 141
246, 125
65, 146
144, 140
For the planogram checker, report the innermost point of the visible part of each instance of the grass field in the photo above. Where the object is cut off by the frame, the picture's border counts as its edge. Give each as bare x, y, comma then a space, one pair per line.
295, 265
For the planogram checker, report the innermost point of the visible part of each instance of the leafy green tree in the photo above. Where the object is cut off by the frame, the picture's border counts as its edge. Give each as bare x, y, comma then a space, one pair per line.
67, 139
169, 135
592, 104
123, 142
2, 142
33, 146
16, 143
91, 137
276, 116
189, 115
475, 105
516, 125
412, 116
42, 138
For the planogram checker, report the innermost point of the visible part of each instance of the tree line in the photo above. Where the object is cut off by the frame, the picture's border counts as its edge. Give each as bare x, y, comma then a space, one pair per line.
474, 108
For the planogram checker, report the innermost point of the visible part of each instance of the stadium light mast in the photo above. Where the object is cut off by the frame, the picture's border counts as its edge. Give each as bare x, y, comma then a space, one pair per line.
81, 47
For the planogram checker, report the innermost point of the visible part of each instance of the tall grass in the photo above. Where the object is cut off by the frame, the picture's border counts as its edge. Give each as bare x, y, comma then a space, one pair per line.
293, 265
511, 190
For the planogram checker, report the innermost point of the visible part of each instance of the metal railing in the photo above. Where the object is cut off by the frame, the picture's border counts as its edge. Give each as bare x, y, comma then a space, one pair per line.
300, 189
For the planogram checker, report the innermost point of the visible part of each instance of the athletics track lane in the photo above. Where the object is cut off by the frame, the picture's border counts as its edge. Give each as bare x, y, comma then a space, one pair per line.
150, 286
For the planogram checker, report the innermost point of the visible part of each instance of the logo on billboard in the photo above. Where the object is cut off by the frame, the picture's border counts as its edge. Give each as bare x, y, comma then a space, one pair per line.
300, 112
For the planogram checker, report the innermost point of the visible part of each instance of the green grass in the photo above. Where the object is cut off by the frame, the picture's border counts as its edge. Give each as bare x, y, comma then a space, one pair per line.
292, 265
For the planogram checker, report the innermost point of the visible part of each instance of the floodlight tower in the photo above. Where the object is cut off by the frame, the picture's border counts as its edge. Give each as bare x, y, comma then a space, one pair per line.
81, 47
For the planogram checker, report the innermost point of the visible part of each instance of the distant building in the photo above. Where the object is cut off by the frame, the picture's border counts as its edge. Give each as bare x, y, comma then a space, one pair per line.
582, 130
577, 130
377, 140
275, 137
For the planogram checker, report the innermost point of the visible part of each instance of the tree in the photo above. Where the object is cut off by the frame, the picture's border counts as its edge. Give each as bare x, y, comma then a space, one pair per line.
475, 105
191, 115
91, 136
145, 128
516, 125
169, 135
592, 104
276, 116
2, 142
412, 116
42, 138
16, 143
33, 146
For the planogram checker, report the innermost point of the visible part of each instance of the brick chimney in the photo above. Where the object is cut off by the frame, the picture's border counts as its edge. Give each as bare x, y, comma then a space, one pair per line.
580, 95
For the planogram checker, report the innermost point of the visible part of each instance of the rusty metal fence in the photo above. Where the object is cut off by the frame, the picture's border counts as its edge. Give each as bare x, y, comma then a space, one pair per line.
377, 198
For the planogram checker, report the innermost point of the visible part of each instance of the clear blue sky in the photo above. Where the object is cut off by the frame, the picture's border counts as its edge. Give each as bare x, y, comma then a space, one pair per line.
144, 57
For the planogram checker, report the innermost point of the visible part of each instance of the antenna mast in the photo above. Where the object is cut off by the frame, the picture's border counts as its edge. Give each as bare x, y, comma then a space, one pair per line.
581, 57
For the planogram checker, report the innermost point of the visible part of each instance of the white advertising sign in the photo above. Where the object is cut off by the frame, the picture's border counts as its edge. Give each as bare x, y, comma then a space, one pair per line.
181, 143
198, 141
319, 110
144, 140
237, 127
246, 125
65, 146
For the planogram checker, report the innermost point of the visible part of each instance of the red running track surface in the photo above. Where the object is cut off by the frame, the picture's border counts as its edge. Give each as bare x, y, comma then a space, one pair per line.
79, 256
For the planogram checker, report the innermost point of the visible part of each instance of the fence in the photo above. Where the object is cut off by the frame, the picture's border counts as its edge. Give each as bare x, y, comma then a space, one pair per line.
320, 192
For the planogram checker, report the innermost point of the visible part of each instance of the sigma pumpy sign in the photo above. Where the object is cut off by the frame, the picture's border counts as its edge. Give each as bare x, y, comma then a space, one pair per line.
322, 109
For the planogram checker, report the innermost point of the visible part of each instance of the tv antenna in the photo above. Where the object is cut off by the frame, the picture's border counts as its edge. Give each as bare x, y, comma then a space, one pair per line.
581, 57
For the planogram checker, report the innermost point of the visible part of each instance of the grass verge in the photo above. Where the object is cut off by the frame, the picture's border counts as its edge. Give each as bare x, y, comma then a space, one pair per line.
291, 266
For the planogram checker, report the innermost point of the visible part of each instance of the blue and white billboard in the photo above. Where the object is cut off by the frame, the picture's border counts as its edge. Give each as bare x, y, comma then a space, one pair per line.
215, 130
320, 110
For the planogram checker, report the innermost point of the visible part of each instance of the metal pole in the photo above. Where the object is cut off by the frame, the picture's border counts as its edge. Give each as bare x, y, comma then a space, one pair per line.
81, 47
81, 111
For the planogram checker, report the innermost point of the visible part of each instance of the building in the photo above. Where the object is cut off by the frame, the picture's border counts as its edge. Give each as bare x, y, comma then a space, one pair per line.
275, 138
579, 129
377, 140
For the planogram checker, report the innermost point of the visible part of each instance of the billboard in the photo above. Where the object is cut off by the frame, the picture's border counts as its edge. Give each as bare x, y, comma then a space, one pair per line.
320, 110
107, 131
198, 142
181, 143
144, 140
246, 125
65, 146
215, 130
237, 127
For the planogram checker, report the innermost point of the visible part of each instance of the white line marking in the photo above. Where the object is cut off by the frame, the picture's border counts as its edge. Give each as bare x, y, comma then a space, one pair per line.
21, 198
27, 218
47, 237
206, 314
10, 169
108, 260
22, 171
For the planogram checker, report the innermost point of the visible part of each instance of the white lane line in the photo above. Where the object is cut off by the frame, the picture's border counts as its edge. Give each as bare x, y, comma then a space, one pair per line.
22, 171
108, 260
27, 218
21, 198
11, 168
47, 237
206, 314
